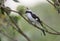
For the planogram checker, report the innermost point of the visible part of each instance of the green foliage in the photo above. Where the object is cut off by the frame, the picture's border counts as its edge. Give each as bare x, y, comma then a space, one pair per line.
6, 27
21, 9
15, 18
46, 12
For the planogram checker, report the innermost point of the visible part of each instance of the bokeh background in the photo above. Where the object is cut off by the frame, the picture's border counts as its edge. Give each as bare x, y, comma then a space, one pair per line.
46, 12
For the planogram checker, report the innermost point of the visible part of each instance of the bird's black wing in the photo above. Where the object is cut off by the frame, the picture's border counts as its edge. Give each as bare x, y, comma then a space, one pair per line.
34, 16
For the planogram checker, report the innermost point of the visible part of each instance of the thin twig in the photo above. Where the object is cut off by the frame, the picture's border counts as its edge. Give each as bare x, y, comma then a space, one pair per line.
39, 27
19, 30
49, 27
51, 3
53, 33
35, 25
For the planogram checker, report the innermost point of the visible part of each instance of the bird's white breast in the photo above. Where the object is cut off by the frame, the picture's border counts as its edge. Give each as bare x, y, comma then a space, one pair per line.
30, 17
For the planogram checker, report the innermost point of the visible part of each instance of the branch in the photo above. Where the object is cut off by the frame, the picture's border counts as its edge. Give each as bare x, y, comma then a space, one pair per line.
49, 27
51, 3
7, 35
39, 27
19, 30
35, 25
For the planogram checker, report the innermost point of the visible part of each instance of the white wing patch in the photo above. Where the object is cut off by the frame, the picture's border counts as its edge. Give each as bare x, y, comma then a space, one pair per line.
36, 19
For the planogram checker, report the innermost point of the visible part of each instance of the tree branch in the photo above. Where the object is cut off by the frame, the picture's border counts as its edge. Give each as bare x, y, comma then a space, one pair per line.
49, 27
19, 30
57, 33
51, 3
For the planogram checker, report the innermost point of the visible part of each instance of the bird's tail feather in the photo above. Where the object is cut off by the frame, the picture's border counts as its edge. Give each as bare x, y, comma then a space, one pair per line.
43, 28
44, 32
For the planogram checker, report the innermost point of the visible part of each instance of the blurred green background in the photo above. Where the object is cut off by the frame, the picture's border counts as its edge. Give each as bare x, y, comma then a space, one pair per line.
47, 14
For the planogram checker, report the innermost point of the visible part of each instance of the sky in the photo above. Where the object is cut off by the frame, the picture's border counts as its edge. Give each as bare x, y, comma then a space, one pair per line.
28, 3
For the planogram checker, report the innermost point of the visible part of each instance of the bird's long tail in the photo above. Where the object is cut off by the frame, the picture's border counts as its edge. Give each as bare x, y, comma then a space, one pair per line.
44, 32
44, 28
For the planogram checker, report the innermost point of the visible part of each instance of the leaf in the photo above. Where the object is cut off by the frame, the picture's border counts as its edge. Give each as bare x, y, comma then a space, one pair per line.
21, 9
15, 0
15, 18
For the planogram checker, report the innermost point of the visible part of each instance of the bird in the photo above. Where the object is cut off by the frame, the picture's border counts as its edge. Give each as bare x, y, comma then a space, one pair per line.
33, 18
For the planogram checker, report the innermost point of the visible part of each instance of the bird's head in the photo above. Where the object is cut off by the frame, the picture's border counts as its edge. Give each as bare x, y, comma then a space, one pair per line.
27, 9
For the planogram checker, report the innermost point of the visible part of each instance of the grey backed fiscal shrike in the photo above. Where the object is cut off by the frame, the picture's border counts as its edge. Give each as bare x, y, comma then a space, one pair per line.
34, 19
